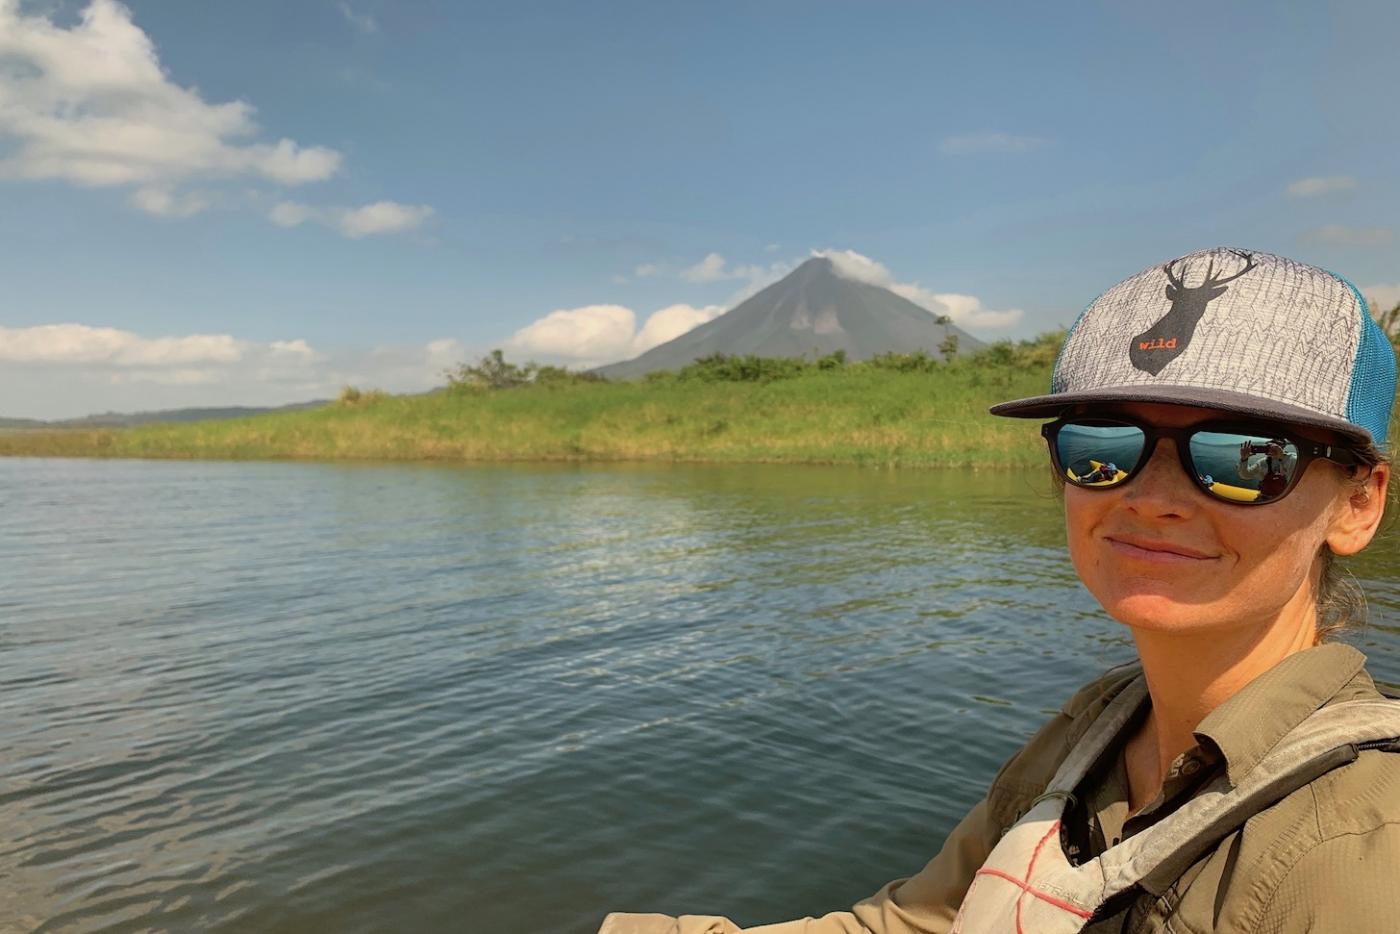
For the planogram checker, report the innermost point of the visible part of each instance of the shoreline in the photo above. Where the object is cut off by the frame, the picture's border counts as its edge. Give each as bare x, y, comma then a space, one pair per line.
873, 461
855, 415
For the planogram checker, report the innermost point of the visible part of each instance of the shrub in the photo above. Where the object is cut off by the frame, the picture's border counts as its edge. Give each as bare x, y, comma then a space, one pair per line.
494, 371
718, 368
1002, 353
352, 396
917, 362
561, 376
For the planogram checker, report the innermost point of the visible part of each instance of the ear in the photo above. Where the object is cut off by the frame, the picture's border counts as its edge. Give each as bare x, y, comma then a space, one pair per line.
1172, 293
1359, 510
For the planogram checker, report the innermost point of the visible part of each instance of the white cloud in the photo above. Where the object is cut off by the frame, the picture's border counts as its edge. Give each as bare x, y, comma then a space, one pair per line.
713, 268
363, 22
1349, 236
79, 343
92, 105
858, 268
670, 323
965, 310
162, 202
709, 269
646, 269
1320, 185
974, 143
66, 370
290, 214
298, 349
597, 334
445, 352
381, 217
182, 377
593, 332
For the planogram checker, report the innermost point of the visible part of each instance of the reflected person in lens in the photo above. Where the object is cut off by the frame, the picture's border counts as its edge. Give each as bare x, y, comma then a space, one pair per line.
1270, 466
1243, 773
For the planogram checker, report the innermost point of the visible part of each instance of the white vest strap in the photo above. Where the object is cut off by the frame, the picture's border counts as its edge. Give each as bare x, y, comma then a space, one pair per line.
1027, 885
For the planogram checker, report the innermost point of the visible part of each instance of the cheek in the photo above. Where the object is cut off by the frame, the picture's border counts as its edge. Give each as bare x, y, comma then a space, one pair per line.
1083, 512
1275, 558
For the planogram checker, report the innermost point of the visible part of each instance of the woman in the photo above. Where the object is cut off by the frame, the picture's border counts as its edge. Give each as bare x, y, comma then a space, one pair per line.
1241, 775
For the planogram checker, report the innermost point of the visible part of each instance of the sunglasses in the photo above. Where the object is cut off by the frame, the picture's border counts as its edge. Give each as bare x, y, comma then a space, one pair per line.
1245, 463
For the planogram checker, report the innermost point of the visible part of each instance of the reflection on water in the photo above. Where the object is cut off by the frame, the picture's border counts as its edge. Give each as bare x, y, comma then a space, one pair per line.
294, 697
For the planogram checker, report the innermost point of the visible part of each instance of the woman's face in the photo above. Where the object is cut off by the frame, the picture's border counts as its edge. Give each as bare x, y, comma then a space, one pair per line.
1161, 555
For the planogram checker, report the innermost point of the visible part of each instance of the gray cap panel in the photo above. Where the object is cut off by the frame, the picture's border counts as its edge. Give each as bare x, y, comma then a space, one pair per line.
1264, 326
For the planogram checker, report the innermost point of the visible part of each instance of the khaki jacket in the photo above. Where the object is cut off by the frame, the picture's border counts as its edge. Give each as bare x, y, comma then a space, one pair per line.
1324, 859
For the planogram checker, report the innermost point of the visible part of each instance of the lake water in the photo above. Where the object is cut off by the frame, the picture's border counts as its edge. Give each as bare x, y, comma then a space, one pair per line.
295, 697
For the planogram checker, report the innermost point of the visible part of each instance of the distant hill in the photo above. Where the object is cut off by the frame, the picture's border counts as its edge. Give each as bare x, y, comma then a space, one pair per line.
22, 423
810, 312
164, 416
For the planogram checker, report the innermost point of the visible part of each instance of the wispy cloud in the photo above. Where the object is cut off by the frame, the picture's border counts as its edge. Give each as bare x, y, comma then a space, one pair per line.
964, 310
973, 143
709, 269
1349, 236
714, 268
63, 370
1320, 185
362, 22
162, 202
381, 217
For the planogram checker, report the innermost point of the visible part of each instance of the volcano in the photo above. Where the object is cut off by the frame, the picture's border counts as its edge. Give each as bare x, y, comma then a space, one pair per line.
811, 312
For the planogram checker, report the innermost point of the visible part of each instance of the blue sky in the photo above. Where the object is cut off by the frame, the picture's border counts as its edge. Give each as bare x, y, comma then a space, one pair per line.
258, 202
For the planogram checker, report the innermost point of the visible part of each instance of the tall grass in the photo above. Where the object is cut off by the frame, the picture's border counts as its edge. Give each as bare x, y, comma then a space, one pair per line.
889, 412
894, 410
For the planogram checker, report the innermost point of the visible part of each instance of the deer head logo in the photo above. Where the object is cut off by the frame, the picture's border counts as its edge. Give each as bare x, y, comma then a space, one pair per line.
1162, 343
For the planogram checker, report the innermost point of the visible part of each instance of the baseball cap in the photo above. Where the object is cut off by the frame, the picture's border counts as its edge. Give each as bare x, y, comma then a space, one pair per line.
1236, 330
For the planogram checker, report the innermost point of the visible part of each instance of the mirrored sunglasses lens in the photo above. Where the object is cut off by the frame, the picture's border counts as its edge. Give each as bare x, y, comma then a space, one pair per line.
1243, 468
1098, 455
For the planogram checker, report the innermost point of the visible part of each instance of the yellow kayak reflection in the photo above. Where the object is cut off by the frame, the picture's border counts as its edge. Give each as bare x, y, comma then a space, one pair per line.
1107, 474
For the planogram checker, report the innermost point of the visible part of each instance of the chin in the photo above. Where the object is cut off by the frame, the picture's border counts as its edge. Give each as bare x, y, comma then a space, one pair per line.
1156, 612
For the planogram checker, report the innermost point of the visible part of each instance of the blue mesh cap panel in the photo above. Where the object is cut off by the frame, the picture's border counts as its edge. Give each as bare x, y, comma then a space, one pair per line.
1372, 377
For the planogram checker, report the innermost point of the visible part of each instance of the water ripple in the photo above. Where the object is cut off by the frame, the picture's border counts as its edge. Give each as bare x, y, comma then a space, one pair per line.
361, 698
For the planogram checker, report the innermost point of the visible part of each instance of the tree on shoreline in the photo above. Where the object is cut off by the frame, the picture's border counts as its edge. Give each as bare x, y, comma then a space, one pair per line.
1389, 322
494, 371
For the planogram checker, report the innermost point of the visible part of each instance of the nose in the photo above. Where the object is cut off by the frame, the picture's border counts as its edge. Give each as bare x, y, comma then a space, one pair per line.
1162, 489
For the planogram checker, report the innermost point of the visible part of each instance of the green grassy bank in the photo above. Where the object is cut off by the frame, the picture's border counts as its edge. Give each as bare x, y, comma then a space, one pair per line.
906, 411
899, 410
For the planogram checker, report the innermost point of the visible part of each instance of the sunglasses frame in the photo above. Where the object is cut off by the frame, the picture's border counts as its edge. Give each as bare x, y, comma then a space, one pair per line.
1308, 451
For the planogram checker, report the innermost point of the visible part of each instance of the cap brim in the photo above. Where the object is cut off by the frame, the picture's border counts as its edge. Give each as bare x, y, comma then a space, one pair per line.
1056, 404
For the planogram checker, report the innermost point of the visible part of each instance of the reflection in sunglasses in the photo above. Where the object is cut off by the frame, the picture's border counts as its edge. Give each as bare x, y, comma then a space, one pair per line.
1234, 465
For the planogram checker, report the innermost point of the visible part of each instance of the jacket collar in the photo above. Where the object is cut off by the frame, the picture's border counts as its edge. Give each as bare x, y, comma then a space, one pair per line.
1251, 722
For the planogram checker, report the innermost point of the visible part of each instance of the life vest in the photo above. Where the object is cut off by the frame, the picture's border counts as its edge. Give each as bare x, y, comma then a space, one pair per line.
1028, 886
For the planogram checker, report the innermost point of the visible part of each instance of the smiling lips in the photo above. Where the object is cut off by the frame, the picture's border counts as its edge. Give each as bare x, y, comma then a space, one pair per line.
1142, 549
